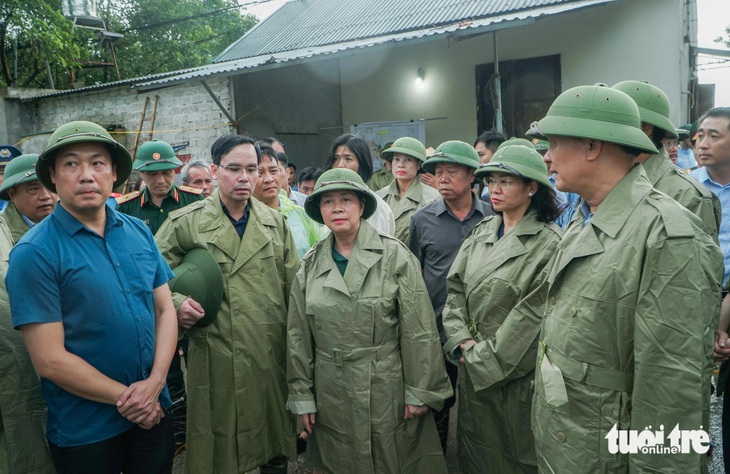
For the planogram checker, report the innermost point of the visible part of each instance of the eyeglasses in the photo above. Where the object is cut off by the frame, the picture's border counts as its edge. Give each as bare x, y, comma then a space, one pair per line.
240, 170
503, 183
669, 143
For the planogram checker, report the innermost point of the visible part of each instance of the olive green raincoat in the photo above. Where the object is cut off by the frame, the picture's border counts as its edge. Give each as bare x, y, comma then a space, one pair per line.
237, 418
632, 310
16, 224
360, 348
23, 448
417, 196
492, 298
684, 189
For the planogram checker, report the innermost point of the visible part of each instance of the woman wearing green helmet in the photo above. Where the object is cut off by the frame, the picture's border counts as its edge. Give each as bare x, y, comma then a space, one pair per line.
365, 361
492, 314
405, 195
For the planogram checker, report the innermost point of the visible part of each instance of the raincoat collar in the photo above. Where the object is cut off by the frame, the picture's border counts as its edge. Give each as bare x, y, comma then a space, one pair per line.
257, 235
409, 201
582, 241
620, 203
367, 252
657, 166
147, 198
510, 245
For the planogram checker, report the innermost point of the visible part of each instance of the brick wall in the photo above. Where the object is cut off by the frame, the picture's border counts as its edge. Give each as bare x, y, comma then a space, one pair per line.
185, 113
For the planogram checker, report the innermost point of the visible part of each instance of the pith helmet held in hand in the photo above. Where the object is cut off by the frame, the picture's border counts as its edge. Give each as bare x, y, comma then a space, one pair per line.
83, 132
653, 104
156, 155
339, 179
407, 146
598, 112
200, 277
19, 170
455, 152
519, 160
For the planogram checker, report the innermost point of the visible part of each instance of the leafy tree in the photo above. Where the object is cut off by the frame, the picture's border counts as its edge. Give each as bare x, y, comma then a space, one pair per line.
41, 32
159, 36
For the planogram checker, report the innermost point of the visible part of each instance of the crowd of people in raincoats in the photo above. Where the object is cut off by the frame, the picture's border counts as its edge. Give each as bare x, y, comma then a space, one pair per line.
566, 287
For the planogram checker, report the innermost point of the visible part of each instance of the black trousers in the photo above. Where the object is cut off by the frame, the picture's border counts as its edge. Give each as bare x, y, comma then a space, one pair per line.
136, 451
442, 417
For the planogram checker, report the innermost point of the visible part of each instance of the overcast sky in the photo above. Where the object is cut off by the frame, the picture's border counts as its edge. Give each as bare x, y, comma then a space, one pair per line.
712, 16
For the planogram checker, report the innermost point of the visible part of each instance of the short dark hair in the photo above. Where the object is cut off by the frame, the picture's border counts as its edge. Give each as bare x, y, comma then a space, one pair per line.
310, 173
716, 112
657, 135
271, 140
292, 166
359, 147
269, 152
491, 139
282, 158
223, 146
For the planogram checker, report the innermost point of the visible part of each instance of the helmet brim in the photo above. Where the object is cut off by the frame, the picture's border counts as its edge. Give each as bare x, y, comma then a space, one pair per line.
616, 133
120, 156
311, 205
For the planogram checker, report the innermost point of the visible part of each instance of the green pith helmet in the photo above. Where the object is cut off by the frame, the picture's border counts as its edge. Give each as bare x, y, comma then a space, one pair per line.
518, 160
516, 141
200, 277
598, 112
156, 155
407, 146
19, 170
653, 104
454, 152
682, 133
83, 132
540, 144
339, 179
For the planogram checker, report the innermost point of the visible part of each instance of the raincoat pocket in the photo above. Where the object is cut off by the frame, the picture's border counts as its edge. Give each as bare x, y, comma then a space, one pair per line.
553, 383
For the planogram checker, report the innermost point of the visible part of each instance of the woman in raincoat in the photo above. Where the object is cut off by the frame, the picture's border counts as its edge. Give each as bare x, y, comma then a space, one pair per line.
405, 195
492, 314
352, 152
365, 361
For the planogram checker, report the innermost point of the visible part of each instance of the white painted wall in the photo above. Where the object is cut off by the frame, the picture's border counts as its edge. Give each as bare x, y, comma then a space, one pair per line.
630, 39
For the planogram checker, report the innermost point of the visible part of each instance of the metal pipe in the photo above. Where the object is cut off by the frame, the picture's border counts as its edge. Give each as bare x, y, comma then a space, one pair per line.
497, 86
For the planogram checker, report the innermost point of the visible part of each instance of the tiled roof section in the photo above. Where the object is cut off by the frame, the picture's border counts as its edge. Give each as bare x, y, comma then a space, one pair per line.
302, 24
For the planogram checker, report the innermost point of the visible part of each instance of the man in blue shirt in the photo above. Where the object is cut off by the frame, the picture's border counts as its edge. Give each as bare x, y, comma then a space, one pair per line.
98, 319
713, 153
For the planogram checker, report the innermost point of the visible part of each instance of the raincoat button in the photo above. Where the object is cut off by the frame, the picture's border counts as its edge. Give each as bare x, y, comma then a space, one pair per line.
560, 436
655, 196
572, 311
487, 289
551, 301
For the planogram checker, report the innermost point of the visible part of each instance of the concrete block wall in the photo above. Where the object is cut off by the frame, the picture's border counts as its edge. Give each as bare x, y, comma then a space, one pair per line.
185, 113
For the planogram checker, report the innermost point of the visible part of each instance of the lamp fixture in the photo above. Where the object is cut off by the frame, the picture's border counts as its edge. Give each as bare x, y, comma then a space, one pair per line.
421, 75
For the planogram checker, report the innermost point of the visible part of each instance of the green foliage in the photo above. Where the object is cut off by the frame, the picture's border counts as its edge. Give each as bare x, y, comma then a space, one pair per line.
159, 36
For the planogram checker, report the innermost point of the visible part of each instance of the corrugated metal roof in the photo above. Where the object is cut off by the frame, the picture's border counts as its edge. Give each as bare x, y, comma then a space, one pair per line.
303, 24
460, 27
108, 85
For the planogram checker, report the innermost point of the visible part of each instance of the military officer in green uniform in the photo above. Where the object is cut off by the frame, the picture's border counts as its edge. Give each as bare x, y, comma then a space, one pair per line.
156, 163
30, 201
653, 106
632, 303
